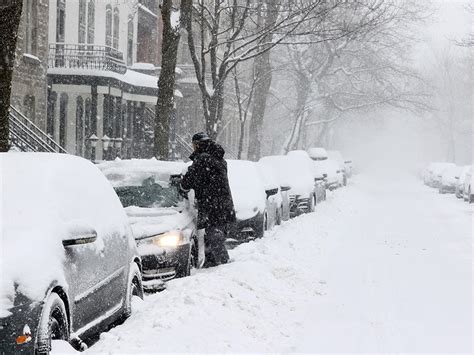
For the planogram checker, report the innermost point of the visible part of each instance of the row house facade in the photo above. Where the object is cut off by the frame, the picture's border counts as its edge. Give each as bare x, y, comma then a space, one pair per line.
102, 76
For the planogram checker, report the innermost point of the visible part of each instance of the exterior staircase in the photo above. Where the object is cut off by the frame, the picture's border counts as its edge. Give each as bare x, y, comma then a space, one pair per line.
27, 137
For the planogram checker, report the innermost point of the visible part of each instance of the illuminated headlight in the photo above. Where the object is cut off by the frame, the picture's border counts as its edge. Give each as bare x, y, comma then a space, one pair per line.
168, 239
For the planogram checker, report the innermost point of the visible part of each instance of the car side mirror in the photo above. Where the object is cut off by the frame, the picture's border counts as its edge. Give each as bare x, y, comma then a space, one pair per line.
325, 175
285, 188
456, 177
80, 235
271, 192
319, 178
348, 162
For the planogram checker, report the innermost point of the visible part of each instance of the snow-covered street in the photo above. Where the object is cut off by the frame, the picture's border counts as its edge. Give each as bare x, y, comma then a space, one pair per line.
382, 266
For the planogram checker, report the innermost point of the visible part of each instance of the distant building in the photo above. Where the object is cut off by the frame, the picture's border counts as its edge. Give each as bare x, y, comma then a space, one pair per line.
29, 85
102, 77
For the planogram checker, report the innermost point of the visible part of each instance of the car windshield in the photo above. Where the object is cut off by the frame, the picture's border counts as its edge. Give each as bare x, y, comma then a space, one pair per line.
149, 195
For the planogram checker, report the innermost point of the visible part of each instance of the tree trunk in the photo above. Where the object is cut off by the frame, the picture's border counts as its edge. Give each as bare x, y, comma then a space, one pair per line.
241, 139
263, 77
166, 83
10, 13
302, 93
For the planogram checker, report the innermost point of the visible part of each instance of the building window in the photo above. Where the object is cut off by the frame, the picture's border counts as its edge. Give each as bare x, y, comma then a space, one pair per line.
31, 25
82, 21
80, 126
61, 21
50, 118
63, 101
130, 41
91, 21
116, 28
108, 26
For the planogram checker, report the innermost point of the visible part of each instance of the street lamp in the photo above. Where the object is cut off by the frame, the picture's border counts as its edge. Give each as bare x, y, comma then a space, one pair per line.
118, 143
106, 142
93, 139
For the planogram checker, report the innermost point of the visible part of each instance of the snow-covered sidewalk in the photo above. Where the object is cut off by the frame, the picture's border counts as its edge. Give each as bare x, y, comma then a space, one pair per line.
380, 267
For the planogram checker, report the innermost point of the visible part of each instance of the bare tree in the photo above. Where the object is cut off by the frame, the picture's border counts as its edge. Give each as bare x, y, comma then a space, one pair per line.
361, 69
10, 13
227, 34
166, 83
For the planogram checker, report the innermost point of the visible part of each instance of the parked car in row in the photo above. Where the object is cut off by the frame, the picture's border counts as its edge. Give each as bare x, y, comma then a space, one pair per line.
460, 179
334, 175
447, 182
433, 173
163, 223
70, 265
468, 190
271, 176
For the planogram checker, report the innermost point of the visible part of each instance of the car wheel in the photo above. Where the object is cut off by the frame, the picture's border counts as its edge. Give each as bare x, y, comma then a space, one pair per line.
134, 288
470, 196
53, 324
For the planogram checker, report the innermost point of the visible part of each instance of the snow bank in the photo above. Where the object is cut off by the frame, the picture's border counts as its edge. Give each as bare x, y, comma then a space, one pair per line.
133, 172
349, 278
42, 197
248, 191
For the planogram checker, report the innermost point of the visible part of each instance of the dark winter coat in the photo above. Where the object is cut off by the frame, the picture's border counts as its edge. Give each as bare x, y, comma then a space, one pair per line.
207, 176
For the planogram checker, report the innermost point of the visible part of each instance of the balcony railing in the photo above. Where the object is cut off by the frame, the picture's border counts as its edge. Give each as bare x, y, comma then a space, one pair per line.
86, 56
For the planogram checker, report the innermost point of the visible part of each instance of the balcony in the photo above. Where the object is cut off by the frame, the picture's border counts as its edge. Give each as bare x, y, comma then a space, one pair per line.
86, 56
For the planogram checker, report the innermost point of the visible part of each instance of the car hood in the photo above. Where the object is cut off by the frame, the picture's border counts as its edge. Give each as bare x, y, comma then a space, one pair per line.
148, 222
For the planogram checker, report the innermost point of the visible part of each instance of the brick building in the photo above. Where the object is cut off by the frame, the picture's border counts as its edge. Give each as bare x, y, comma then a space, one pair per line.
29, 84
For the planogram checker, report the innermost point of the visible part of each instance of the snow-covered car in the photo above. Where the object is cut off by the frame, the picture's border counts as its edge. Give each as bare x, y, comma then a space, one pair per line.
329, 168
434, 172
337, 157
268, 168
300, 179
69, 264
303, 162
250, 199
163, 223
460, 179
447, 183
274, 204
468, 192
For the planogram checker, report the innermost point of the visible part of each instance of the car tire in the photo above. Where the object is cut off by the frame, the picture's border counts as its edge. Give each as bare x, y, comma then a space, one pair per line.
470, 196
134, 288
53, 324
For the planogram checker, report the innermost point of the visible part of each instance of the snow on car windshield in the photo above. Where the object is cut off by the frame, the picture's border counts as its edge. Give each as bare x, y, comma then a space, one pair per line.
149, 195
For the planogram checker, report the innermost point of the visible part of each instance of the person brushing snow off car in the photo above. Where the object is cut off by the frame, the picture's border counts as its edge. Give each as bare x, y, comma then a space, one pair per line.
207, 176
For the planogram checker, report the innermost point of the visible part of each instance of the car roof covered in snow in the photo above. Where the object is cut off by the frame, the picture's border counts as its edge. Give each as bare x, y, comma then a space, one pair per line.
317, 153
134, 171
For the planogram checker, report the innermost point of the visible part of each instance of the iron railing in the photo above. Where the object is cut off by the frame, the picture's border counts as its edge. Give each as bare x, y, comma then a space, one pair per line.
86, 56
28, 137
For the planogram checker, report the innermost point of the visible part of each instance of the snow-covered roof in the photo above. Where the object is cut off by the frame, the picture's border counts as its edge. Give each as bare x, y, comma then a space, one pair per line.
318, 153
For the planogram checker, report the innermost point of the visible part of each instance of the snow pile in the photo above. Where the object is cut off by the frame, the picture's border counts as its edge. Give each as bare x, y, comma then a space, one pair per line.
42, 197
318, 153
133, 172
351, 270
248, 191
